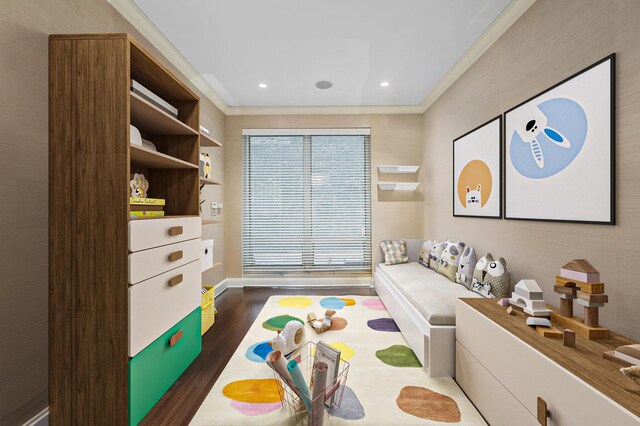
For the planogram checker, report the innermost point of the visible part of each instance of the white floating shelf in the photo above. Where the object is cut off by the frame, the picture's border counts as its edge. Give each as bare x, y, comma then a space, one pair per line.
398, 186
398, 169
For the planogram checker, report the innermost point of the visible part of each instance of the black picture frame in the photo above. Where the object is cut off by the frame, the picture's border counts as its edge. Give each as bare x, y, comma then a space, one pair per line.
500, 163
612, 107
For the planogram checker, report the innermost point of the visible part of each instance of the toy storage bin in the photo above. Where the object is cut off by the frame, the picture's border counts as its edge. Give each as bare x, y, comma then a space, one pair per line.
206, 255
208, 308
291, 399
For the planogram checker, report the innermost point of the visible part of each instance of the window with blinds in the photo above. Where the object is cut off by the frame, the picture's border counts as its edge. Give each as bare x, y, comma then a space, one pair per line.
306, 201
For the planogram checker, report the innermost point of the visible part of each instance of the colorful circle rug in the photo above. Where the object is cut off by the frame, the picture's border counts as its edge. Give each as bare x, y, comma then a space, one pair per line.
386, 384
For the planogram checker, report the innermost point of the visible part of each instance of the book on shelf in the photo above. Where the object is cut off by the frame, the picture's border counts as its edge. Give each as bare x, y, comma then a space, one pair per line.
146, 201
147, 207
136, 214
148, 95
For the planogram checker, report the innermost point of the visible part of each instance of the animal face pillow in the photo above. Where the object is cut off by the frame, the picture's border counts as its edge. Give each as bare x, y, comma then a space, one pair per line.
424, 253
466, 265
434, 255
491, 278
448, 262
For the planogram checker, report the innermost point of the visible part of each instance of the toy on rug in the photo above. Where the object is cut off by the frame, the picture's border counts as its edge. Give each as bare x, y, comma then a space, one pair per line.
139, 186
289, 339
528, 296
320, 326
580, 280
633, 373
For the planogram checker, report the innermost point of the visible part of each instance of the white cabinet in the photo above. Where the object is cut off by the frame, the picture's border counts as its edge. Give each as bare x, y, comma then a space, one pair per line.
491, 358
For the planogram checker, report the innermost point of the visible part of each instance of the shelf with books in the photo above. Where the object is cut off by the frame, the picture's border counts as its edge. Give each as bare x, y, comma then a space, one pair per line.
206, 140
209, 181
152, 120
151, 159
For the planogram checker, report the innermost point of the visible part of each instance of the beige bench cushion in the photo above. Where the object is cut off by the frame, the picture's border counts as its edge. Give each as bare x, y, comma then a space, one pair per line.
432, 294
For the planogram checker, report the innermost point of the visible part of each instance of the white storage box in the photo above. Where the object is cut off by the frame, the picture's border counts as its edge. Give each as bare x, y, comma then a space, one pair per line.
206, 255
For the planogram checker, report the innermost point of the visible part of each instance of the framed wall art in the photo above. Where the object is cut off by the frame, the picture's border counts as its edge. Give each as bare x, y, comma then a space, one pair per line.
560, 150
477, 174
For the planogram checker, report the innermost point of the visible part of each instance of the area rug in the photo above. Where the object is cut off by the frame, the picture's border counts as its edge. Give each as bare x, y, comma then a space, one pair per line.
386, 384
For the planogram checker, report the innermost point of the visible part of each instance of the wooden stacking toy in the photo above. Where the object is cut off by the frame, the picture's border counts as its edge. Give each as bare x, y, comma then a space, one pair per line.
580, 280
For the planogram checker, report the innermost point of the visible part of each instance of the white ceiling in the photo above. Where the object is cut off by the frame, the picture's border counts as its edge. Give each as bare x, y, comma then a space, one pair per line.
291, 44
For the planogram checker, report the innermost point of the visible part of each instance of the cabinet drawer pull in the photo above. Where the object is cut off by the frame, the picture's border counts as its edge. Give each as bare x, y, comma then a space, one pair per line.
175, 230
175, 338
176, 255
543, 412
175, 280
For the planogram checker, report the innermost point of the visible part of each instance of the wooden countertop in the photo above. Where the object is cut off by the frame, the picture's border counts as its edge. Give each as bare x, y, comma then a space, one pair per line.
584, 361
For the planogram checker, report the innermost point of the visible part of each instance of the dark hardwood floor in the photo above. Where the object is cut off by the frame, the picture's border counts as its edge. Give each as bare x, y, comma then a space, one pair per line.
237, 310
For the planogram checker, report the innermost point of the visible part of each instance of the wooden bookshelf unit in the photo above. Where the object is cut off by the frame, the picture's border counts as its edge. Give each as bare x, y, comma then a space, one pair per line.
111, 358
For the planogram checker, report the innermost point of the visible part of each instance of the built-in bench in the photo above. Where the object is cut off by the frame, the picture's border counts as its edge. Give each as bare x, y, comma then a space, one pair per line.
422, 303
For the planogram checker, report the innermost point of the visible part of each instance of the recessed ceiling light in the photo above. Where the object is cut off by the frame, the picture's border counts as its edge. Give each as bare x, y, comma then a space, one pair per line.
323, 84
262, 85
384, 84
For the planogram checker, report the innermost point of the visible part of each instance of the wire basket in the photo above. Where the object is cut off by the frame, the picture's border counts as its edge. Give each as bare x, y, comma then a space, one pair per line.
291, 399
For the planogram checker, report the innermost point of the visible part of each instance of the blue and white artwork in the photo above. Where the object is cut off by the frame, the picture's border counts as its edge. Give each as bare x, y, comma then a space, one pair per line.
558, 151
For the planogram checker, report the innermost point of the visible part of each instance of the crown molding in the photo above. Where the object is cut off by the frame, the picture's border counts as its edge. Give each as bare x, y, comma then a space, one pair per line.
498, 27
132, 13
328, 110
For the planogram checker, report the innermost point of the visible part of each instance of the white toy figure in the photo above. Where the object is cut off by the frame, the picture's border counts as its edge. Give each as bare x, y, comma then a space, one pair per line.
528, 296
465, 267
290, 338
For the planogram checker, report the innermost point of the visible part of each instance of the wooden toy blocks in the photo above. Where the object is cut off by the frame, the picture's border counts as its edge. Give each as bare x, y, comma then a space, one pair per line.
528, 296
579, 280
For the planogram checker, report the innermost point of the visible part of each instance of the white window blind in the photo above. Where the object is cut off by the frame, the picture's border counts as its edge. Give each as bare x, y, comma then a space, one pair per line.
306, 202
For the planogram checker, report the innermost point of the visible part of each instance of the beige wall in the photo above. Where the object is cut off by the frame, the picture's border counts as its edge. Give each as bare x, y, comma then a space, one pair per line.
24, 28
395, 139
551, 41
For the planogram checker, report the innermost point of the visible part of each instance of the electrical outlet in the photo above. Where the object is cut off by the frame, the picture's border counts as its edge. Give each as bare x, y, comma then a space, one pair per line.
214, 205
220, 205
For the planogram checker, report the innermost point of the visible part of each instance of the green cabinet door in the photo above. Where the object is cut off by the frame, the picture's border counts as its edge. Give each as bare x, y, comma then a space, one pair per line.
156, 367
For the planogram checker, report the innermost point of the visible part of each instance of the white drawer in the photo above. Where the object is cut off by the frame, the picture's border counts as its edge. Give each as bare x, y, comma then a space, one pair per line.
528, 374
155, 305
494, 402
149, 263
148, 233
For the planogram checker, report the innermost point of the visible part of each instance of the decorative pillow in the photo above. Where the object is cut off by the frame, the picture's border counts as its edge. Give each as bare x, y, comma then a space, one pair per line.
448, 263
395, 252
466, 264
434, 254
491, 278
424, 253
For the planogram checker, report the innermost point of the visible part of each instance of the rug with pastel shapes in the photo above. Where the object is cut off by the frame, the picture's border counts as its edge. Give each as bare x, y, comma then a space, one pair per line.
386, 384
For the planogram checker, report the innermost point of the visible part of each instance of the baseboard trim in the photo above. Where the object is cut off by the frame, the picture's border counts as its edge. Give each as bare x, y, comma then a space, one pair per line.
38, 418
284, 282
220, 288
